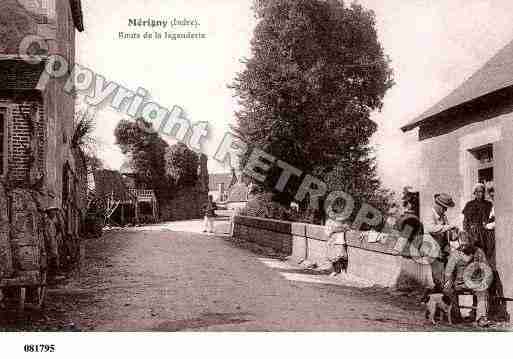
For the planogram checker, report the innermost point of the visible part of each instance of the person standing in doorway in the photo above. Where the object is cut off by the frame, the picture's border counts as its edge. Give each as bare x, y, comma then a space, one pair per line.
491, 195
210, 214
498, 308
490, 226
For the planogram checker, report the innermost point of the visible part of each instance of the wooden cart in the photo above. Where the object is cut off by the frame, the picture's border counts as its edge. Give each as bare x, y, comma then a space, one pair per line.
27, 289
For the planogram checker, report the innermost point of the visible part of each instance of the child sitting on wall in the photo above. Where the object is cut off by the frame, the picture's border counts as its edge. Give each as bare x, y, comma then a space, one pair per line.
336, 246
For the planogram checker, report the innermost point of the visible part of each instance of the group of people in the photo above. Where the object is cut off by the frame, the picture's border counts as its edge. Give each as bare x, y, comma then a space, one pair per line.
464, 260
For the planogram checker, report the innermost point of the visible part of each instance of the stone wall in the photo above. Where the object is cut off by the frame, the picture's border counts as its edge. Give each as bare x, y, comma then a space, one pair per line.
267, 233
385, 263
32, 241
186, 204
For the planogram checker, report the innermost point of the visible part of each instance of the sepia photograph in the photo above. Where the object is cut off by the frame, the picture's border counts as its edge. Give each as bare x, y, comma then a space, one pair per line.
255, 166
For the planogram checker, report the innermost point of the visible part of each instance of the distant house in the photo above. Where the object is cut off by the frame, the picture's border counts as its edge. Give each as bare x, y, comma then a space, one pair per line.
219, 184
229, 189
238, 196
146, 200
467, 138
36, 117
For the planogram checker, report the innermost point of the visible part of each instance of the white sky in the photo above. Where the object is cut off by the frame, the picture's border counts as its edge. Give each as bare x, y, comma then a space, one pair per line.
434, 46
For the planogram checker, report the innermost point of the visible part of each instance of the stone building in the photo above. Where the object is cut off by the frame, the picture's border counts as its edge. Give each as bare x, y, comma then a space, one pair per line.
43, 175
37, 118
238, 193
218, 186
467, 138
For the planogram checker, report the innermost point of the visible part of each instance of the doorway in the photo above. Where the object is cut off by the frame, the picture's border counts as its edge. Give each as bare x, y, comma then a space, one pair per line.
484, 164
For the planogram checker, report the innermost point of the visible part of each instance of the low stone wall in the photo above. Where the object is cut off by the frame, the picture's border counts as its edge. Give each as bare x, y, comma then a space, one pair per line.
268, 233
385, 263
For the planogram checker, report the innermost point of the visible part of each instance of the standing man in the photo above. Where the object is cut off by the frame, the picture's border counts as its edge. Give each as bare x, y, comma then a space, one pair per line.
440, 229
210, 213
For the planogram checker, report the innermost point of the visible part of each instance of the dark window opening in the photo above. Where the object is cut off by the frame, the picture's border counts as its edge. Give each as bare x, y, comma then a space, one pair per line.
485, 175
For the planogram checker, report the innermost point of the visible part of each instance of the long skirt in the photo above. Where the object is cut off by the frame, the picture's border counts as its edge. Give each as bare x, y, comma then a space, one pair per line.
479, 236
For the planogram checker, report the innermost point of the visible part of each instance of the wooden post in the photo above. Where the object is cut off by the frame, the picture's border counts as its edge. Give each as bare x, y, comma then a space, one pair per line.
136, 211
123, 214
23, 297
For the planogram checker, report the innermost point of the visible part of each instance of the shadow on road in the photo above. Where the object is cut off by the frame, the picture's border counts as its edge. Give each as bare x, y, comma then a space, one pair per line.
204, 321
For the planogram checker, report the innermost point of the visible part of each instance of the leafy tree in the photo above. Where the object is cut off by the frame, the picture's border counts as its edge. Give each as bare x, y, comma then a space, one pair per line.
182, 165
316, 73
146, 152
157, 165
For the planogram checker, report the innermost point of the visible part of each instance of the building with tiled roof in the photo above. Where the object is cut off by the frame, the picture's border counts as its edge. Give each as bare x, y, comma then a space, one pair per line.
465, 138
494, 78
219, 185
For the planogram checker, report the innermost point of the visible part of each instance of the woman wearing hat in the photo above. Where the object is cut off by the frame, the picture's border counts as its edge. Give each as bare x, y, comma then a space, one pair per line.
476, 215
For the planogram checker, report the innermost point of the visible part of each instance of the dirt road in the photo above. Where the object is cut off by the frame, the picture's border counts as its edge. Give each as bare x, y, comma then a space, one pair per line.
156, 279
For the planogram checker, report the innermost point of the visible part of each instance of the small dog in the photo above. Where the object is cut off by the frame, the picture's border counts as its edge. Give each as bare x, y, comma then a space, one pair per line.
441, 301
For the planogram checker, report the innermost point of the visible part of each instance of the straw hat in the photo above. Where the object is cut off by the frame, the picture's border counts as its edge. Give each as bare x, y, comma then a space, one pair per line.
444, 200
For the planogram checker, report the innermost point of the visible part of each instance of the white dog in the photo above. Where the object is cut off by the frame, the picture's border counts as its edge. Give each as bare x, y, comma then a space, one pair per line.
442, 301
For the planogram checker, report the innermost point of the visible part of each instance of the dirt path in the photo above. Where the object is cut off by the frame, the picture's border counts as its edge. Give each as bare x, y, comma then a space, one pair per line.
160, 280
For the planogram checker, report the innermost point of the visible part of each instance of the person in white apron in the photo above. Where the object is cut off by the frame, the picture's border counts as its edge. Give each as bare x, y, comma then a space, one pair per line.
336, 246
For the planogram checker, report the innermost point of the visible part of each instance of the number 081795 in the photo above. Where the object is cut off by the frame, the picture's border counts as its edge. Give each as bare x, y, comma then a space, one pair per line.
39, 348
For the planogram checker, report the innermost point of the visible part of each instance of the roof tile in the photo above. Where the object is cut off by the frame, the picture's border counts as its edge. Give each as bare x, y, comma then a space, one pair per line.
495, 75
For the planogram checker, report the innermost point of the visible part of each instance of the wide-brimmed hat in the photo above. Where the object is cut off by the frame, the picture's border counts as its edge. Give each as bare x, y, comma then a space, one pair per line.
444, 200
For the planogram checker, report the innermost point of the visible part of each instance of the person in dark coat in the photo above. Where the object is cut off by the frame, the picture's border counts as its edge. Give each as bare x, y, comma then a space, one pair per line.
476, 215
409, 224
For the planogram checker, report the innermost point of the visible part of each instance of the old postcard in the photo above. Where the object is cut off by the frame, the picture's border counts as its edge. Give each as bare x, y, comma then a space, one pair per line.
255, 166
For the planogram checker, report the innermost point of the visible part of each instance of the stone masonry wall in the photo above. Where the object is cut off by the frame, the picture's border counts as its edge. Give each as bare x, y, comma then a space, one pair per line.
385, 263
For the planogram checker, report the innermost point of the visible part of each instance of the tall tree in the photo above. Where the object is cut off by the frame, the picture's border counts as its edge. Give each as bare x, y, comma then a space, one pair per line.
146, 152
182, 165
316, 73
